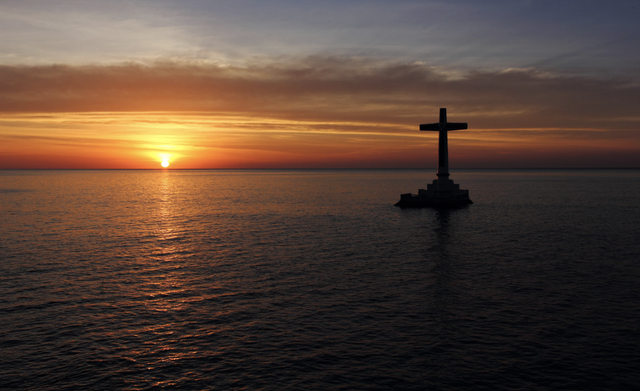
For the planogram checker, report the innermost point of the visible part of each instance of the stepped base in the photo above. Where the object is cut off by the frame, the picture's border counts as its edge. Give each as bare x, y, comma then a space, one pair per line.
442, 193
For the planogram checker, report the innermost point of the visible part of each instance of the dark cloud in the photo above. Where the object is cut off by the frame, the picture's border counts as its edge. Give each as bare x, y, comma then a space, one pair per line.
328, 89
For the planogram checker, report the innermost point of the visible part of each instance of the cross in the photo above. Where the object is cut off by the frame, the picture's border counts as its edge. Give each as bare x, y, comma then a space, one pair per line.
443, 151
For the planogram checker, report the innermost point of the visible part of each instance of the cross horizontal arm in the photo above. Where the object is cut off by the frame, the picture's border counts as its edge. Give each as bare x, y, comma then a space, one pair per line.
444, 126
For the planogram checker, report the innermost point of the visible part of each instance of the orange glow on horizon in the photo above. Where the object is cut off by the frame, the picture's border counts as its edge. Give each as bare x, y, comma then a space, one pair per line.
199, 141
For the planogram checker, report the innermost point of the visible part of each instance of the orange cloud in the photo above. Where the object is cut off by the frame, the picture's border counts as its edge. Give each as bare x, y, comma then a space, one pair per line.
312, 112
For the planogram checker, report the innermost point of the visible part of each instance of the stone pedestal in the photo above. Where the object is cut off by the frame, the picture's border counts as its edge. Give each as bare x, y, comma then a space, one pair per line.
440, 193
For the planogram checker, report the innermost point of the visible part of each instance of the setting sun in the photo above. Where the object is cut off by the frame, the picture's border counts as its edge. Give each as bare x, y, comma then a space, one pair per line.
165, 163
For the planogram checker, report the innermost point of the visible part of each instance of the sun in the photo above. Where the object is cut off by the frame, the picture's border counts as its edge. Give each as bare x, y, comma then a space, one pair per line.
165, 158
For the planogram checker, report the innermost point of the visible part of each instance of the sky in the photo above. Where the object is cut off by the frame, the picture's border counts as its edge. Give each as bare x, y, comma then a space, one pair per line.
309, 84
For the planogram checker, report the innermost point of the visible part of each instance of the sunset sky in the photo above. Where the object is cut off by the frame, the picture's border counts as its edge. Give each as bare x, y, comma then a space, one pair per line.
313, 84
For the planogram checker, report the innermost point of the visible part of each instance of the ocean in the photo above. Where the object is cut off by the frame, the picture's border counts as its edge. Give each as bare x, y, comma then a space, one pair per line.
312, 279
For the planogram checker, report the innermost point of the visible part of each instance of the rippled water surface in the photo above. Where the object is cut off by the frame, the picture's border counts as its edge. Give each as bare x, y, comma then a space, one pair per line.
291, 280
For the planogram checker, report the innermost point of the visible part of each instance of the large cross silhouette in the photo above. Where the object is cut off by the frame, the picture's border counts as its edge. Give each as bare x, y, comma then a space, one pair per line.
443, 150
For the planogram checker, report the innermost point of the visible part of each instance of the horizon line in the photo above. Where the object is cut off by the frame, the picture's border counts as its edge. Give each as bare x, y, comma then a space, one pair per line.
314, 168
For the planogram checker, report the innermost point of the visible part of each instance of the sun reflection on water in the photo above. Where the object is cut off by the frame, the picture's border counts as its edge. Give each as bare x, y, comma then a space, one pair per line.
164, 286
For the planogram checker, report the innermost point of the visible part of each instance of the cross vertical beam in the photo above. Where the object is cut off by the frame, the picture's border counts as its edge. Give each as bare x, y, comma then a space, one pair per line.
443, 147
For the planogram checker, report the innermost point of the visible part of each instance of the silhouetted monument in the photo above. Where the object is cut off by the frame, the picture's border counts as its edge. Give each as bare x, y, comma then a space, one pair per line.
442, 192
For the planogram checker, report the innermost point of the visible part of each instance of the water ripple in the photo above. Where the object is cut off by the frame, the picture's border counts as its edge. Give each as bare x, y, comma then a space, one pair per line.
180, 280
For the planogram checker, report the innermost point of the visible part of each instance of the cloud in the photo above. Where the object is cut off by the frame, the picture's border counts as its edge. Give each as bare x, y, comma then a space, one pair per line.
594, 37
318, 111
326, 88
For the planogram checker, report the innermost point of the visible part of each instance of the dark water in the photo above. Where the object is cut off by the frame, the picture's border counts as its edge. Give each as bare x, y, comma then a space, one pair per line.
291, 280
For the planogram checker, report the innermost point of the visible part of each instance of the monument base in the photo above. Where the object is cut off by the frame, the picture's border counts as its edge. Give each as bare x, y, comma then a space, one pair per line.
442, 193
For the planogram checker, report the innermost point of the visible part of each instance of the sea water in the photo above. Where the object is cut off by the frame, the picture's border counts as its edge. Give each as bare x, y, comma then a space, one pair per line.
312, 279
